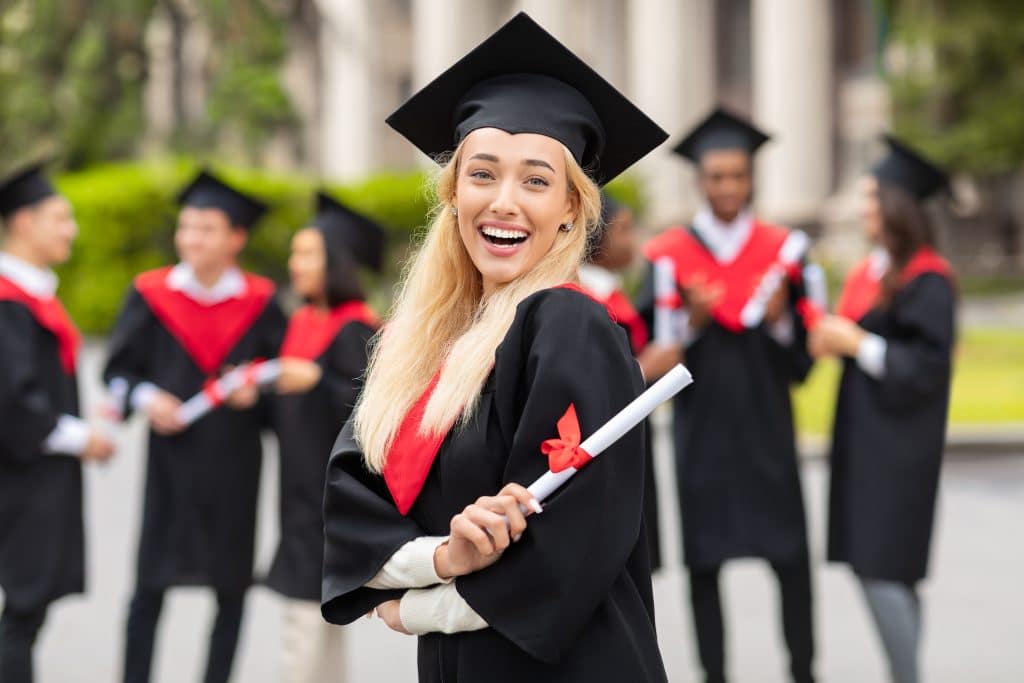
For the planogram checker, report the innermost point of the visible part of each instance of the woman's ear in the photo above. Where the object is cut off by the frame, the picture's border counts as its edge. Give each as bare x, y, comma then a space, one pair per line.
572, 207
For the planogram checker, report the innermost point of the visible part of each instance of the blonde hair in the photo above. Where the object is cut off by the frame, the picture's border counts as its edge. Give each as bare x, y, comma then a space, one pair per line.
440, 312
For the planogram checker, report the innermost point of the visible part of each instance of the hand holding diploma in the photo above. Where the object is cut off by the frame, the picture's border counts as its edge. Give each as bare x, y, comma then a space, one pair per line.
248, 375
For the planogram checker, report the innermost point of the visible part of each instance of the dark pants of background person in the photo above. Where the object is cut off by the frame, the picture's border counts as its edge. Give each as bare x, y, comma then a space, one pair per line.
143, 615
18, 631
797, 625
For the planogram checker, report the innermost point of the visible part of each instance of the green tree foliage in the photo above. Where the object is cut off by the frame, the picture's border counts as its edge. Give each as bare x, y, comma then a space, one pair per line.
73, 72
957, 74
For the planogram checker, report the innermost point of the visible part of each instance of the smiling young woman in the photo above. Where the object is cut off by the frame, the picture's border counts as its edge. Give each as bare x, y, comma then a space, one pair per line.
489, 343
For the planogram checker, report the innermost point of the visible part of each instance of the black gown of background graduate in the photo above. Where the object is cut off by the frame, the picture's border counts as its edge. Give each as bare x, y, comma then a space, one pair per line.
199, 517
736, 461
307, 425
41, 529
571, 601
889, 433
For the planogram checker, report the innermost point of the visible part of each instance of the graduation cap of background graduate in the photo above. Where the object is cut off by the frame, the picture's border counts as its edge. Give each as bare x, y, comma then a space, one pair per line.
720, 130
909, 170
359, 235
24, 188
522, 80
207, 191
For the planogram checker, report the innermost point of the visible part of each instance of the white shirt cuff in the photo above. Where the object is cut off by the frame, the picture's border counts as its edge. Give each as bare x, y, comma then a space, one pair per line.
438, 610
782, 329
871, 355
69, 437
142, 395
412, 566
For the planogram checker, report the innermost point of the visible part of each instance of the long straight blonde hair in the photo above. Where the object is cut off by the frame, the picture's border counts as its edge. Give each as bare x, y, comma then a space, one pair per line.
440, 313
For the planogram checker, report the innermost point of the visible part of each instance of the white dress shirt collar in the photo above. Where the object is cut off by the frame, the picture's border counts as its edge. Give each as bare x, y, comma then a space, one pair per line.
601, 282
725, 240
183, 279
878, 262
39, 282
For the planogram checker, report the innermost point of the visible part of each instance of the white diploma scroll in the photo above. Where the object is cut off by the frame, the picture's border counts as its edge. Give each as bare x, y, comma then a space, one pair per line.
256, 373
816, 286
792, 250
629, 417
666, 314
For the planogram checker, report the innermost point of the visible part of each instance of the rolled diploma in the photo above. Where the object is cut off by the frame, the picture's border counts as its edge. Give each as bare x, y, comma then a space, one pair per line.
259, 374
666, 318
677, 379
792, 250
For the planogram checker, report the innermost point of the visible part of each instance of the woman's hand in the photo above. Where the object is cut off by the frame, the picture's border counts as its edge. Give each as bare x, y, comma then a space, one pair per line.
482, 532
391, 613
700, 298
298, 375
835, 336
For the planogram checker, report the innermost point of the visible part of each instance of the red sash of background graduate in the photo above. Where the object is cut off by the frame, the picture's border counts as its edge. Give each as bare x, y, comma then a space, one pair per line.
412, 454
311, 331
739, 279
861, 291
621, 310
51, 316
206, 332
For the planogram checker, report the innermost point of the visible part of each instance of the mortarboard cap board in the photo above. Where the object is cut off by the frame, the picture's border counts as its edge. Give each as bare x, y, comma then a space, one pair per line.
909, 170
207, 191
523, 80
720, 130
358, 234
24, 188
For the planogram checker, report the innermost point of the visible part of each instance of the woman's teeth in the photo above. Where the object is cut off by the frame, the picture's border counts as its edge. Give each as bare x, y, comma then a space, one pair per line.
502, 236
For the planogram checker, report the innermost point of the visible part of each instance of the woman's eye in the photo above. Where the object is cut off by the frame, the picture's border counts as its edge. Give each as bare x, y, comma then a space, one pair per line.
481, 175
537, 181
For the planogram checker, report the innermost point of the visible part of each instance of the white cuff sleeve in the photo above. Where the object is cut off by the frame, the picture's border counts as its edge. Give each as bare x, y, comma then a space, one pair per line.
438, 609
69, 437
142, 395
782, 329
871, 355
412, 566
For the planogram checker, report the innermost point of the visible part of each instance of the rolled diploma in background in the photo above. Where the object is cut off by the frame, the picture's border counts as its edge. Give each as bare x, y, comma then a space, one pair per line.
258, 373
677, 379
792, 250
666, 317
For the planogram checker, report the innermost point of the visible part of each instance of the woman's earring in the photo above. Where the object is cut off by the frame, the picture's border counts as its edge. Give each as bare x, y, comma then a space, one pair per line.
455, 211
566, 227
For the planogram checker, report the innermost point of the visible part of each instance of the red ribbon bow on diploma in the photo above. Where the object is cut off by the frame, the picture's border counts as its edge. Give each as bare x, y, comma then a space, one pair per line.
565, 452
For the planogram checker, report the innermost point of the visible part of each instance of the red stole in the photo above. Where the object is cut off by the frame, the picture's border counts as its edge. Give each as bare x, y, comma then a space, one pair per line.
862, 291
412, 453
621, 310
739, 279
311, 331
206, 332
51, 316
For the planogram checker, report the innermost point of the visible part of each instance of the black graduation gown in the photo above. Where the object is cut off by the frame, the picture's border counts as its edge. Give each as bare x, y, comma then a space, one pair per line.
199, 512
572, 600
41, 529
736, 461
889, 434
307, 425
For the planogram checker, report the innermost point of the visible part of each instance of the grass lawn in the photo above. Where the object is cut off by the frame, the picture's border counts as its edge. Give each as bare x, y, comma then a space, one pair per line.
988, 383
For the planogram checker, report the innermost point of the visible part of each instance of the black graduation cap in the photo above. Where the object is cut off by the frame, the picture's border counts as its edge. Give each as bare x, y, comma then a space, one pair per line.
208, 191
522, 80
361, 236
24, 188
720, 130
906, 168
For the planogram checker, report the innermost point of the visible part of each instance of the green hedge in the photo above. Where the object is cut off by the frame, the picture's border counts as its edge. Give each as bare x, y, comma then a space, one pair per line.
126, 214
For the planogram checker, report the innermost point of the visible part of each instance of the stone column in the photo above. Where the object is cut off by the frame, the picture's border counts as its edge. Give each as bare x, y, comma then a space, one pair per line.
671, 75
792, 66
